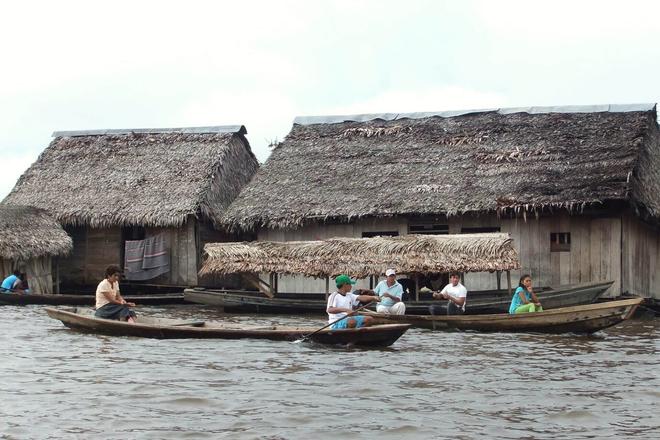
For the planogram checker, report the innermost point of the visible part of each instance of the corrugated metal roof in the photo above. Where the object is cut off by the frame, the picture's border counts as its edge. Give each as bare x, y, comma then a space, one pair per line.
196, 130
614, 108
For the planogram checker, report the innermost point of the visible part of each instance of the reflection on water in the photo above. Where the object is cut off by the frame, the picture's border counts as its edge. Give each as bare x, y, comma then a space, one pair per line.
58, 383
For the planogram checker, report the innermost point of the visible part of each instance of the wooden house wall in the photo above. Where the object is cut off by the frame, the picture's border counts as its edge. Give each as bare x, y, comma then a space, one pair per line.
595, 252
183, 243
641, 258
95, 249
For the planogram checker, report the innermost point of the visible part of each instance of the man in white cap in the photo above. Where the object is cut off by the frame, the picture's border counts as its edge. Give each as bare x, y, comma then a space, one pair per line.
390, 292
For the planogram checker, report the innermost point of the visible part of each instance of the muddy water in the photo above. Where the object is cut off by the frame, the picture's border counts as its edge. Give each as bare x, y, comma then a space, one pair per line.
57, 383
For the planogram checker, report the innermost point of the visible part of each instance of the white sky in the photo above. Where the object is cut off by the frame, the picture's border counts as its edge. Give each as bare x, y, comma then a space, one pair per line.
69, 65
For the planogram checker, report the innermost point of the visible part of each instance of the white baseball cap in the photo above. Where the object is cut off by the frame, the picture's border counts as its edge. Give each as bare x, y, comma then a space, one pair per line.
389, 272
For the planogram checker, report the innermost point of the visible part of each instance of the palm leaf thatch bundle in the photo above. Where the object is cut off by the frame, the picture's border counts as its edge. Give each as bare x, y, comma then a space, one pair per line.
27, 232
509, 161
150, 177
361, 257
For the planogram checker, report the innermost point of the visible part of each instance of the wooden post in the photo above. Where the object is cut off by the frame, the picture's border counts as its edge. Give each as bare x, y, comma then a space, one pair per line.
327, 287
57, 275
498, 274
508, 281
417, 287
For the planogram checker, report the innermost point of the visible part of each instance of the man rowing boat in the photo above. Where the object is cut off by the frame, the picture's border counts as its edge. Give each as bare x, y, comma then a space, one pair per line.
342, 302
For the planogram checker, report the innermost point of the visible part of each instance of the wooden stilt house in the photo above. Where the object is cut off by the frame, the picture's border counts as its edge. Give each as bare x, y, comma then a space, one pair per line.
578, 188
30, 241
107, 187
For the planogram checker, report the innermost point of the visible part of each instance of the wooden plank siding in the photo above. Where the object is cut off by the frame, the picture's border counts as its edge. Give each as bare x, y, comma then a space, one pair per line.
621, 249
184, 255
640, 270
95, 249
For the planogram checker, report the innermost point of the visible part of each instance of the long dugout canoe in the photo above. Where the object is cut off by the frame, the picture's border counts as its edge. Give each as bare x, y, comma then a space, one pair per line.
85, 300
588, 318
478, 303
162, 328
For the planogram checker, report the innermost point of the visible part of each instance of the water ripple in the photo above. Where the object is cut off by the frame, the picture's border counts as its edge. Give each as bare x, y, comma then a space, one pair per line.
58, 383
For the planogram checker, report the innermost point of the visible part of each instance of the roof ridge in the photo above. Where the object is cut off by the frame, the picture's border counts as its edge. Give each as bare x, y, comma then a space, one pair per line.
191, 130
611, 108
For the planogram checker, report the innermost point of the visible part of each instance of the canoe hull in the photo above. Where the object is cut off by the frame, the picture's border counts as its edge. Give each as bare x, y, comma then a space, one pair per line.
376, 336
577, 319
84, 300
479, 303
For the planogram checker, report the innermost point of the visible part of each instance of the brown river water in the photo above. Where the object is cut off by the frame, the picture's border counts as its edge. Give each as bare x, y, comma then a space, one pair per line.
57, 383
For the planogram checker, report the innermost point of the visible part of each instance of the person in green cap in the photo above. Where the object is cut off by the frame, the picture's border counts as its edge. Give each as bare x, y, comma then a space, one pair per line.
341, 303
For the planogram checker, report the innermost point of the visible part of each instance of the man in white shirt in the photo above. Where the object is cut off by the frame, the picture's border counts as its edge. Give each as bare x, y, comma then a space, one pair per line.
342, 302
390, 292
456, 295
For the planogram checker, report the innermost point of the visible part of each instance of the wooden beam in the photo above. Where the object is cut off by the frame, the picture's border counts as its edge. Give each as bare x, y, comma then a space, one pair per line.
327, 287
260, 284
498, 274
508, 281
57, 275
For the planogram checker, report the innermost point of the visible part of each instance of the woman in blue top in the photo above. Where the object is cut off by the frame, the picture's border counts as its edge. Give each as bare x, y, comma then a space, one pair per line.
13, 283
524, 299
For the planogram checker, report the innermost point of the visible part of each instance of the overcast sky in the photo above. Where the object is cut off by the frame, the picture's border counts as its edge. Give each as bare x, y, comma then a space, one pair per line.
69, 65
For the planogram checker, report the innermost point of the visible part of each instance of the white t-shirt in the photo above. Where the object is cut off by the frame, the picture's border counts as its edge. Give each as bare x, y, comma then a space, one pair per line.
336, 299
457, 291
105, 286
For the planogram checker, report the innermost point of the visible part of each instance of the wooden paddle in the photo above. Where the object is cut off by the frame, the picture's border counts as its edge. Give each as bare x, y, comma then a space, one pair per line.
298, 341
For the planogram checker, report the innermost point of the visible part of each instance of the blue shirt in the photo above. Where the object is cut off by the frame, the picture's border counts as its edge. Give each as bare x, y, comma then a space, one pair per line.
8, 283
395, 290
516, 301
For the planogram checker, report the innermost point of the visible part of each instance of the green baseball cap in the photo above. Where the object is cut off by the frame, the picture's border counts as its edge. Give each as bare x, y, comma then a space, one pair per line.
343, 279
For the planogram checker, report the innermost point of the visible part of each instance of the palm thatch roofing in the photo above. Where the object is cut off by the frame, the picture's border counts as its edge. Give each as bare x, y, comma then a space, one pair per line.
27, 232
361, 257
339, 168
151, 177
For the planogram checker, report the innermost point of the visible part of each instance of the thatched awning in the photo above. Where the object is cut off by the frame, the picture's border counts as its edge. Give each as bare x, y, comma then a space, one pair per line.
361, 257
339, 168
27, 232
146, 177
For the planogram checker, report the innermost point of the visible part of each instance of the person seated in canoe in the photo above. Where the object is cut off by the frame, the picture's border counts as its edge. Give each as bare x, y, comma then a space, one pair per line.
456, 295
109, 302
14, 283
390, 292
524, 299
341, 303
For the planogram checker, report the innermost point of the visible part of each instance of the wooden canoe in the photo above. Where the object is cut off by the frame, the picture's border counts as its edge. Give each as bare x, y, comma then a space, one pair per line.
479, 302
161, 328
84, 300
577, 319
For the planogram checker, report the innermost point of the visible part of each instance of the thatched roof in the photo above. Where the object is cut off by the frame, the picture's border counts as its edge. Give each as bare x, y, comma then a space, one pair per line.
361, 257
154, 177
27, 232
340, 168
